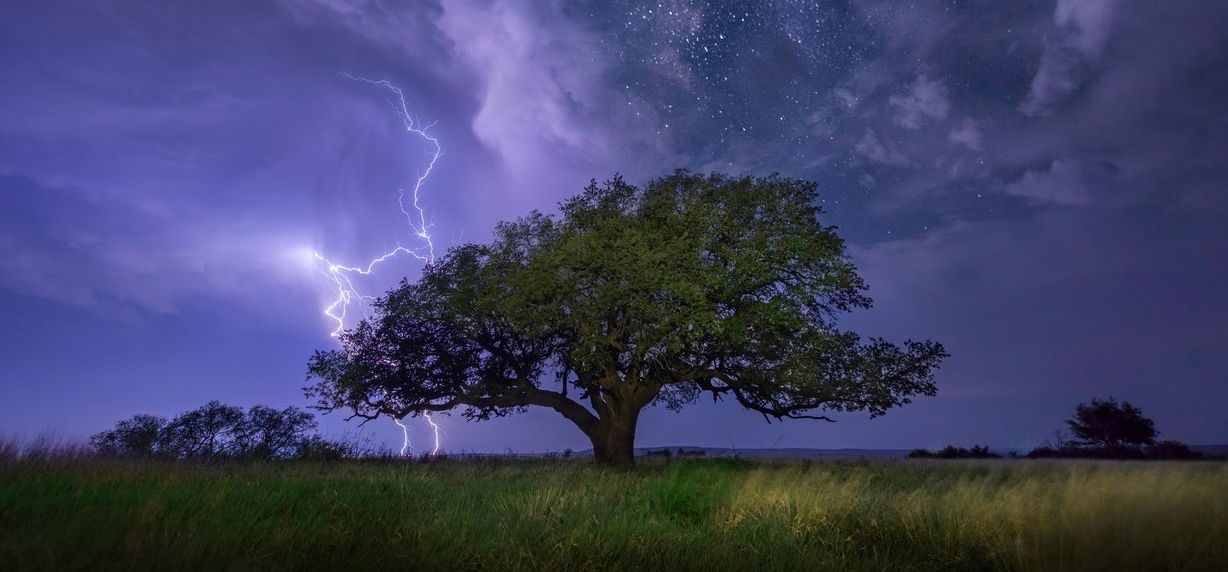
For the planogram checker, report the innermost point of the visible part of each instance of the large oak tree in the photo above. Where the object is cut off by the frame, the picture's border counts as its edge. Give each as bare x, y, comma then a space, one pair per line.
632, 297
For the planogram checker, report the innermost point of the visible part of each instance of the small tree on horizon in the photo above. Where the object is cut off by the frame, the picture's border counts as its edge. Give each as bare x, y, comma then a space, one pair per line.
211, 430
1106, 423
268, 433
631, 297
214, 431
139, 436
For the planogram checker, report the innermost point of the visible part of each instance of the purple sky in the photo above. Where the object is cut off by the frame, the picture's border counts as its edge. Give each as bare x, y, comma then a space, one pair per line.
1040, 186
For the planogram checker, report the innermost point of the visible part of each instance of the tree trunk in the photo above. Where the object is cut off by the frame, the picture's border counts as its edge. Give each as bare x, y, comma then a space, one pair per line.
614, 440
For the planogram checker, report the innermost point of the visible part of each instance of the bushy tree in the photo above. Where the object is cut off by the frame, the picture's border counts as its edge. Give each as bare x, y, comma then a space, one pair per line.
216, 430
139, 436
630, 297
1106, 423
212, 430
268, 433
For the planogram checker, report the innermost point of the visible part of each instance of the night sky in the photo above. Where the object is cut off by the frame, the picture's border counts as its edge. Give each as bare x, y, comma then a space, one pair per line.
1042, 187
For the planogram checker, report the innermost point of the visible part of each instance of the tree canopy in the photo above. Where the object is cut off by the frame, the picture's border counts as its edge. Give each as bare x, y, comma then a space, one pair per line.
1106, 423
632, 296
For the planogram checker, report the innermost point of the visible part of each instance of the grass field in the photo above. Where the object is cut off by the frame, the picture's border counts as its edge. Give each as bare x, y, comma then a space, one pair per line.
568, 515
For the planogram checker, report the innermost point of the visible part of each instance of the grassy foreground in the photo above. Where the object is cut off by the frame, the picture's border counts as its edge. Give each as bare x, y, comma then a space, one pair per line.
700, 515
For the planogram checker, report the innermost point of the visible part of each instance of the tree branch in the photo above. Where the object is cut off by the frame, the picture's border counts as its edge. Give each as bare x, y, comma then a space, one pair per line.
521, 396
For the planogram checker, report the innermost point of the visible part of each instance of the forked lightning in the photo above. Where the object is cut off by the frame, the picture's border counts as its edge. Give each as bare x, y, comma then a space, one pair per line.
342, 276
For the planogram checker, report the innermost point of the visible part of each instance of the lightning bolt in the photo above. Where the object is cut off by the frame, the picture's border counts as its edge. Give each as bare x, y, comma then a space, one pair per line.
342, 277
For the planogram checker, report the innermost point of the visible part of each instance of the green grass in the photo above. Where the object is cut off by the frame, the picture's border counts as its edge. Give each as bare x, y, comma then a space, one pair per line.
696, 515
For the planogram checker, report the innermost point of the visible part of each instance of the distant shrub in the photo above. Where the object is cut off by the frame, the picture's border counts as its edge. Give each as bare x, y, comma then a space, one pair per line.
317, 448
1162, 451
953, 452
1171, 451
661, 453
691, 453
429, 457
1075, 452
